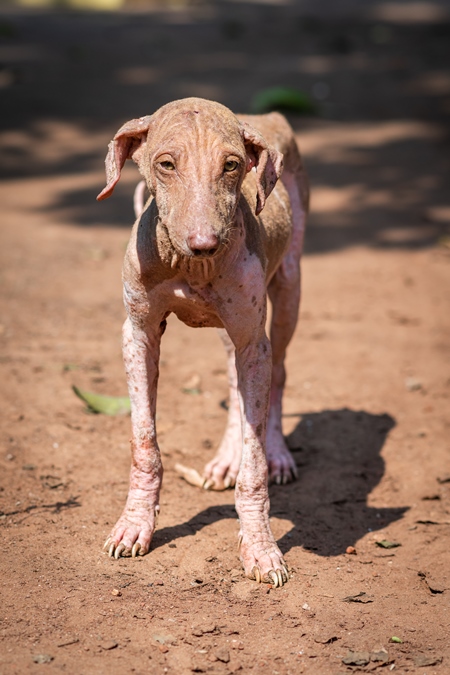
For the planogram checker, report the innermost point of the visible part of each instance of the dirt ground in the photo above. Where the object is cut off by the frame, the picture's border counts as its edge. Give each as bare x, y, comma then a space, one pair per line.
368, 392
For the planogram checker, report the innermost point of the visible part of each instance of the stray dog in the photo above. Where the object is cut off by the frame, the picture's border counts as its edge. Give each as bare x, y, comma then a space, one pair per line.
204, 249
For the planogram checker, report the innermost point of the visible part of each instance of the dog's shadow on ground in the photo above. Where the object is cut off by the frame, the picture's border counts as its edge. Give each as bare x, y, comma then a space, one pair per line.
338, 454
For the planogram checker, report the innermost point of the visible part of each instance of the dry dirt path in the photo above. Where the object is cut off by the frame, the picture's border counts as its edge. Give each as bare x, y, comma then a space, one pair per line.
367, 399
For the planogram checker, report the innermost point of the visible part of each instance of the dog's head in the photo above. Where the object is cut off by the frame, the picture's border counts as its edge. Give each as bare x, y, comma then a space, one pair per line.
194, 155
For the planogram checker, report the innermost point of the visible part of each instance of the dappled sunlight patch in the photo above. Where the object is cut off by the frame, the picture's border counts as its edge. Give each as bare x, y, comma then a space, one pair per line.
317, 141
353, 198
431, 83
138, 75
409, 12
49, 141
398, 236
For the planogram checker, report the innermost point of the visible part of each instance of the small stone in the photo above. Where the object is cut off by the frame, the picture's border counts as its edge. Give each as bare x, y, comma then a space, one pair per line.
413, 384
107, 645
158, 582
236, 644
199, 666
163, 649
326, 639
222, 654
380, 656
165, 638
42, 658
356, 659
422, 660
350, 550
115, 591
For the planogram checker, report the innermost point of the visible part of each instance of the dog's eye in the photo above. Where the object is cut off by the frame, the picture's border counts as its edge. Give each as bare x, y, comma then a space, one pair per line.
231, 165
168, 166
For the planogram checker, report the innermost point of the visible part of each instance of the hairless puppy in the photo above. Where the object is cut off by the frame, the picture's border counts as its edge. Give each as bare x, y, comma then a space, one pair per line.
204, 248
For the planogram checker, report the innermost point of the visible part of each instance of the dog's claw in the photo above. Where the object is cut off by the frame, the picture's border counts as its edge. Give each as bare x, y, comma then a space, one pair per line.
227, 482
239, 542
257, 574
111, 550
118, 552
280, 577
278, 480
106, 544
135, 550
208, 484
274, 578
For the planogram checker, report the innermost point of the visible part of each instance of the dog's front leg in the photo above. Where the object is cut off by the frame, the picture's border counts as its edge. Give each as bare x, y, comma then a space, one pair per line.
260, 555
133, 532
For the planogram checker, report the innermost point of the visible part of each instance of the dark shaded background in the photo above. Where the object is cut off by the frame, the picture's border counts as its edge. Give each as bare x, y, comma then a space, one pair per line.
366, 66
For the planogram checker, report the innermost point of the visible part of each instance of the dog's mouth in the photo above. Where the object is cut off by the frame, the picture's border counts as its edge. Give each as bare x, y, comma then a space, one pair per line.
198, 259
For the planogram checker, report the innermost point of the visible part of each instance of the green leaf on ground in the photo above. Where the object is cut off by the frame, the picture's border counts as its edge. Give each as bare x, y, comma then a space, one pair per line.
106, 405
284, 99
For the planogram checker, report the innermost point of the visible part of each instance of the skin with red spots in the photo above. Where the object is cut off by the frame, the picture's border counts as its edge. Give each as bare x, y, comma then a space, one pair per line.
217, 235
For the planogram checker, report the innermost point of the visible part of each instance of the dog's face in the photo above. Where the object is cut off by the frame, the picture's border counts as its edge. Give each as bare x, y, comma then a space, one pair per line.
194, 165
194, 155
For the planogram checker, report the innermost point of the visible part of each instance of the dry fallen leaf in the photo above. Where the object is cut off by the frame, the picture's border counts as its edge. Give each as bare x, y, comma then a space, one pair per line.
191, 476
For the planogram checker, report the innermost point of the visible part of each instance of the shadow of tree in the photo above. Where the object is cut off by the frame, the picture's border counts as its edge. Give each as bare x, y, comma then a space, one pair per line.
78, 81
338, 453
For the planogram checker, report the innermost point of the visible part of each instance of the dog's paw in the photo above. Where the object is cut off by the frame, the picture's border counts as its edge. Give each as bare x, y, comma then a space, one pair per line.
219, 480
263, 562
281, 465
132, 534
221, 472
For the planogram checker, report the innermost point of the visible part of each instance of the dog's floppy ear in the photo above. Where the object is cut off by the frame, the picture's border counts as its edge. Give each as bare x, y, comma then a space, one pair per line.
267, 160
128, 143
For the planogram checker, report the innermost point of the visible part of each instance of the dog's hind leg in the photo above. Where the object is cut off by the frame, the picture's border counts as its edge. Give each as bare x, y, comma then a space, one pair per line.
221, 472
284, 293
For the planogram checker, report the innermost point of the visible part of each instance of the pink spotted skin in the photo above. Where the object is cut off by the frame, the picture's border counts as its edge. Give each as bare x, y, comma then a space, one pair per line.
218, 235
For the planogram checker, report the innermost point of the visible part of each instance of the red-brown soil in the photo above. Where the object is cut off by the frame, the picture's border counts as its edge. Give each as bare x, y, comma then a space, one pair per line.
367, 399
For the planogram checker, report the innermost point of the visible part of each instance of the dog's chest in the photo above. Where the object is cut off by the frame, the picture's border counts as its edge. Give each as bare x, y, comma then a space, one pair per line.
195, 306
